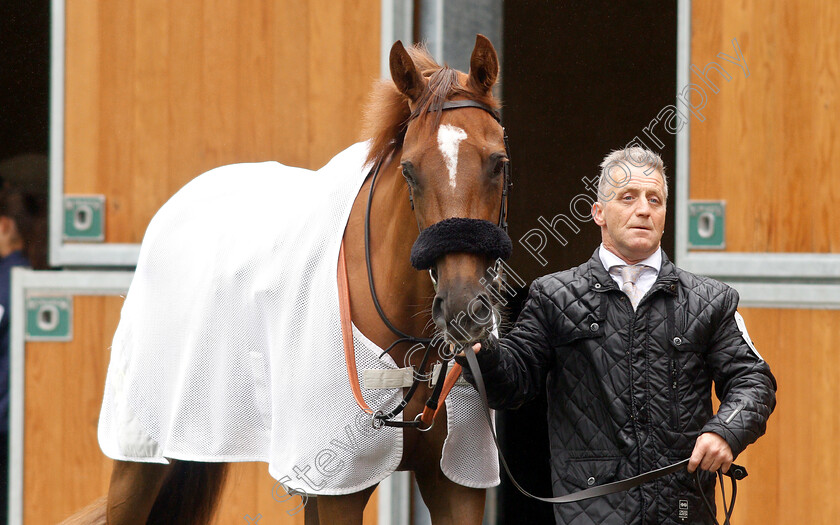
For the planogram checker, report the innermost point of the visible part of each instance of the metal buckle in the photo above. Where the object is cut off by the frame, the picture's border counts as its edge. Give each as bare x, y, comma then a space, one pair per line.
434, 278
417, 418
497, 266
375, 421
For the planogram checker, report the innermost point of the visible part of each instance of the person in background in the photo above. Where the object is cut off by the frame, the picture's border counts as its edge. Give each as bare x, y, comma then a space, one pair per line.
22, 242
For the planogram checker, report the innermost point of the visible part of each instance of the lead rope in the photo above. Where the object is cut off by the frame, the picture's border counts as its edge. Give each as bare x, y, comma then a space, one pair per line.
601, 490
735, 473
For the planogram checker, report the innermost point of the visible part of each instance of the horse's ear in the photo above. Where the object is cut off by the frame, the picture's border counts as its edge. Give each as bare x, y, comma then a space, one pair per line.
484, 65
404, 72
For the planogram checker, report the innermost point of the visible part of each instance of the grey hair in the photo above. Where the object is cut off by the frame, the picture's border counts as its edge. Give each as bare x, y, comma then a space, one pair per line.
625, 159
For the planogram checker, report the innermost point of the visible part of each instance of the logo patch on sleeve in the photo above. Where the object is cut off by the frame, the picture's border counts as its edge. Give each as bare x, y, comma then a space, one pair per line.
742, 326
683, 510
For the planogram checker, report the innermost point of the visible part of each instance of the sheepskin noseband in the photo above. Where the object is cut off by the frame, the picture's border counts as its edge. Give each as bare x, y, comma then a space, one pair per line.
462, 235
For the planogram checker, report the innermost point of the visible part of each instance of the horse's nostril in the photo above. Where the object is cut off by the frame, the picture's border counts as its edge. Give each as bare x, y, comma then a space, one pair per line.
437, 312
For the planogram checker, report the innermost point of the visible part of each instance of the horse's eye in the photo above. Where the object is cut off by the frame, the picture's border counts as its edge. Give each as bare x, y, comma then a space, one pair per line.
408, 172
499, 166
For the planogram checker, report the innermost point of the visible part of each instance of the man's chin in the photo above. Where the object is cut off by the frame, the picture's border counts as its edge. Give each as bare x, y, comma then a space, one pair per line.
642, 233
641, 249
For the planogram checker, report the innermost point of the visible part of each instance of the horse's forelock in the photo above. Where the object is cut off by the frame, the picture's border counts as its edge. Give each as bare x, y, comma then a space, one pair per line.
443, 83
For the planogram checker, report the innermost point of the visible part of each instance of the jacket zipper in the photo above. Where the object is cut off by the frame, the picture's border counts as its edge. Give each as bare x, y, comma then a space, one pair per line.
633, 412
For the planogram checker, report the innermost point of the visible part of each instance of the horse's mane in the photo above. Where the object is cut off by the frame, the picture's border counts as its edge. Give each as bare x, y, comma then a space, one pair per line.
387, 112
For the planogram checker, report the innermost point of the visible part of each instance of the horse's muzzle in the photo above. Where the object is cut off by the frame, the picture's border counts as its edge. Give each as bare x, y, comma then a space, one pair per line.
459, 235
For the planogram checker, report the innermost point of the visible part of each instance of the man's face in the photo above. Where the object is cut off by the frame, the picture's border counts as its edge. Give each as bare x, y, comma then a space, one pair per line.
633, 220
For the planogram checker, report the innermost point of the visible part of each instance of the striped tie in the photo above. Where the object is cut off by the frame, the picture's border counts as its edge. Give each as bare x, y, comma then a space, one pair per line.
629, 275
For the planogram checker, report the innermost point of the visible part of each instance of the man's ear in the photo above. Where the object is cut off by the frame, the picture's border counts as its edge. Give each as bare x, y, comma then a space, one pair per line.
598, 213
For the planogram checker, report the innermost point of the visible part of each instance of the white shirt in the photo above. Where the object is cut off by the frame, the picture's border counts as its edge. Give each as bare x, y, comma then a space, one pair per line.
646, 278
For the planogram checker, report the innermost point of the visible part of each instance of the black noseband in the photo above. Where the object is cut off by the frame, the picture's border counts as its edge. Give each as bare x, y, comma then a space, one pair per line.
462, 235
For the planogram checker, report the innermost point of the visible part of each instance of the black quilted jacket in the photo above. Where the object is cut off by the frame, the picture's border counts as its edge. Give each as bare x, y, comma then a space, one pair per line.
630, 392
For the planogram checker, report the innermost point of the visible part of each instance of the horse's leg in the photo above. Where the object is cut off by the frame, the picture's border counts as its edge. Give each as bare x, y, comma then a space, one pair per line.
448, 502
133, 490
310, 512
344, 510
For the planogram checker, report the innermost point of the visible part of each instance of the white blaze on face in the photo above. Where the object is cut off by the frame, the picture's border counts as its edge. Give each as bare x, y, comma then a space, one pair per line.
449, 140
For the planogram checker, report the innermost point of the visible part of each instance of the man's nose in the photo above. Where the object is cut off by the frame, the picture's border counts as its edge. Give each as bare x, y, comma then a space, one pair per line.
643, 207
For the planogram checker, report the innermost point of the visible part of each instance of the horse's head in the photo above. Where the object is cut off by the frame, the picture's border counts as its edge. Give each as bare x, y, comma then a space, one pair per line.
454, 162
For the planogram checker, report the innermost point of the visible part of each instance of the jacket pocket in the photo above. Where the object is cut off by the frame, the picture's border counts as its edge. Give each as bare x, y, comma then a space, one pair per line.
589, 328
584, 473
681, 502
680, 343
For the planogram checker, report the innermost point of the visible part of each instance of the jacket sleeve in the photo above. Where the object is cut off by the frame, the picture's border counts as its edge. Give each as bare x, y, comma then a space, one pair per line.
743, 383
514, 367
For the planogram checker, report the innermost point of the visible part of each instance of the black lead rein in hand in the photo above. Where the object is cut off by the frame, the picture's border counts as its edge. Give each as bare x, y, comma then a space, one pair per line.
735, 472
381, 418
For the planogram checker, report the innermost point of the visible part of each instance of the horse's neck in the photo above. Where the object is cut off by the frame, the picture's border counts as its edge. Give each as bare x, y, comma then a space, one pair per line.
404, 293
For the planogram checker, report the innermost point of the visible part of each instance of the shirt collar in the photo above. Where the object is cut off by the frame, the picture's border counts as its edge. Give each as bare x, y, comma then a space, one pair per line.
609, 259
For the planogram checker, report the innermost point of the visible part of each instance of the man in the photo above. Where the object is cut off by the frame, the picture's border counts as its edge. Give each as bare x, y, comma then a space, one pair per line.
627, 346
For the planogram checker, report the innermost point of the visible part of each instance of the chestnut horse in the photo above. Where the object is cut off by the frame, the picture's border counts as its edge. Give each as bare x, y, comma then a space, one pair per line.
414, 142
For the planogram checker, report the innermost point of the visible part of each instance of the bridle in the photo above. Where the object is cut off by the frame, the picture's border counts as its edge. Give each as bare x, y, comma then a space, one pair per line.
387, 419
425, 420
457, 104
502, 223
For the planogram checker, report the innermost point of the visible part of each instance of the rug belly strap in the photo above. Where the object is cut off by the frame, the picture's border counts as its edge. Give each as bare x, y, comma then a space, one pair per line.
388, 378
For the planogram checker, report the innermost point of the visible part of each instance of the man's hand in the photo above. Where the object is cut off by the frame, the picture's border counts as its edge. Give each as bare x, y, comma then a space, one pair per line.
711, 452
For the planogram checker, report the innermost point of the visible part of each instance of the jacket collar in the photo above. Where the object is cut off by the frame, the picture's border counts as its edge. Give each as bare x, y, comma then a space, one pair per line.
600, 280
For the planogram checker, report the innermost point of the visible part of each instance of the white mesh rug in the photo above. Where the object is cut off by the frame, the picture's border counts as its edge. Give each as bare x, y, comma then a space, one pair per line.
229, 343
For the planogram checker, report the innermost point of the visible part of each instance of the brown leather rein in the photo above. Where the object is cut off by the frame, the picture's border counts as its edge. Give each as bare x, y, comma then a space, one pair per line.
430, 411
